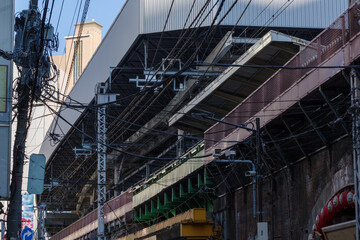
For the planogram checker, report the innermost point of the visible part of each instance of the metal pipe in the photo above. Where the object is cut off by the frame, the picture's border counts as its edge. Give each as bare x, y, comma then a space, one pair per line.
145, 54
110, 80
258, 159
254, 197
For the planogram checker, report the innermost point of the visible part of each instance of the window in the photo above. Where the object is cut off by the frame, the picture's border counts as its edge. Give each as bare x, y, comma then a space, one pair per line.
3, 88
78, 49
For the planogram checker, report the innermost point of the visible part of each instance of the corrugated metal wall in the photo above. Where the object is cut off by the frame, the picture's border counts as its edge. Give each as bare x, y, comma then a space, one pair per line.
273, 13
284, 13
154, 14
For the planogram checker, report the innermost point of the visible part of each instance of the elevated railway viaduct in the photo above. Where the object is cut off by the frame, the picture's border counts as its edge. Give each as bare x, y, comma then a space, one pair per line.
301, 92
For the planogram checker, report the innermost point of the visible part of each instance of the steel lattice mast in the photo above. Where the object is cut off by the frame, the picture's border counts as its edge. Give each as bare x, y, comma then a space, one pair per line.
101, 168
102, 100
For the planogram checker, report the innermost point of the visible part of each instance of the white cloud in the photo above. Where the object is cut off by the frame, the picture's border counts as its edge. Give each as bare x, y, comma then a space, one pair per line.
27, 215
28, 206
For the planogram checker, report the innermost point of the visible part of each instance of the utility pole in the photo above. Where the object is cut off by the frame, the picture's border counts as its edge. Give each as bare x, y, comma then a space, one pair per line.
25, 45
355, 97
32, 36
258, 164
41, 221
262, 227
15, 206
102, 99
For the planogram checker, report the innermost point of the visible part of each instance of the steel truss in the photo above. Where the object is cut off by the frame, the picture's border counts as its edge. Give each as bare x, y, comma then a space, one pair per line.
102, 99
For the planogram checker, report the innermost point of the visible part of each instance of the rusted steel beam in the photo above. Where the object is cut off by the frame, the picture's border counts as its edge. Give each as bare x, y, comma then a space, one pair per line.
295, 138
277, 147
314, 126
333, 109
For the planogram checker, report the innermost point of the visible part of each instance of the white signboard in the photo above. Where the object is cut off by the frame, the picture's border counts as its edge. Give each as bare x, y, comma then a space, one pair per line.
36, 174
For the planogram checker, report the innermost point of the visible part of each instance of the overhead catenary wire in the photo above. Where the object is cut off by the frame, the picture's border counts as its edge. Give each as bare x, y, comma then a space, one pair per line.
310, 130
92, 106
255, 66
196, 21
278, 66
109, 146
58, 21
72, 40
157, 131
204, 38
162, 132
210, 30
249, 3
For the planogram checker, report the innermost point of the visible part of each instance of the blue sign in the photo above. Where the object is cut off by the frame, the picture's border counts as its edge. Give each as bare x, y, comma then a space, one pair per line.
26, 234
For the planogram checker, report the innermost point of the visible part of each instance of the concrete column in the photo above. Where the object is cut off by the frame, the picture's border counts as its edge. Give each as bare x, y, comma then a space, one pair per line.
116, 178
230, 217
117, 175
180, 145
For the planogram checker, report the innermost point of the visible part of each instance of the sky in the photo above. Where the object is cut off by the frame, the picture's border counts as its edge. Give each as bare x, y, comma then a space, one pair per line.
102, 11
27, 206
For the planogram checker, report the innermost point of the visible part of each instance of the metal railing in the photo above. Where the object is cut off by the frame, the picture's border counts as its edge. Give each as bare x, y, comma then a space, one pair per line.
84, 224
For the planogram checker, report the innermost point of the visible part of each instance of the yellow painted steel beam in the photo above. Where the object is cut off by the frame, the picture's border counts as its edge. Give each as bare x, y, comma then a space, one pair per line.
196, 230
189, 221
199, 215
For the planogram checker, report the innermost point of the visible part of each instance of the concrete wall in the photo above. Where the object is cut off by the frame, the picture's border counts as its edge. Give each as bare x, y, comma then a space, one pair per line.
91, 39
263, 13
291, 199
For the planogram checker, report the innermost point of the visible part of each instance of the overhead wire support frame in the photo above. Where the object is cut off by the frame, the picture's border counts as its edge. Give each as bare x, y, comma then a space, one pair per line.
254, 169
102, 98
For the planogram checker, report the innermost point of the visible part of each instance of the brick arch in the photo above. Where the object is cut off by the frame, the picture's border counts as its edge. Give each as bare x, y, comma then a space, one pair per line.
341, 179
